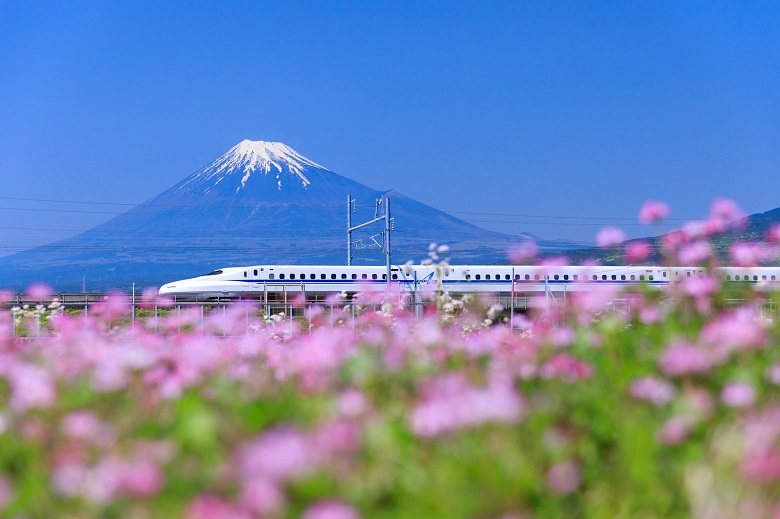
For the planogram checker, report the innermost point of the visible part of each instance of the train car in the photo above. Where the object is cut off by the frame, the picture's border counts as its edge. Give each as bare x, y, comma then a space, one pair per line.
456, 279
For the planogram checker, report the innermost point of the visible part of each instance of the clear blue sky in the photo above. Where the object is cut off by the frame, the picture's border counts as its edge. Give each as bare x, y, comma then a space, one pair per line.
547, 109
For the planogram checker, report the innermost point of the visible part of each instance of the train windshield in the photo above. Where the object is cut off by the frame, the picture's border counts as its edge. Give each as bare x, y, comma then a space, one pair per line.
213, 273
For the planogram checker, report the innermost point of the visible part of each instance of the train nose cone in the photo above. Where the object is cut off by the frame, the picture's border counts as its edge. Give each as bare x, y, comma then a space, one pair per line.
167, 289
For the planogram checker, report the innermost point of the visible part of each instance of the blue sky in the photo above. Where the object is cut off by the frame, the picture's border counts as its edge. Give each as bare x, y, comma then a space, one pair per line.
545, 117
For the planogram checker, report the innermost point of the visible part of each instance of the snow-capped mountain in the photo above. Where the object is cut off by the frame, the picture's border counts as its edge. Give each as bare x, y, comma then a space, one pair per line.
260, 202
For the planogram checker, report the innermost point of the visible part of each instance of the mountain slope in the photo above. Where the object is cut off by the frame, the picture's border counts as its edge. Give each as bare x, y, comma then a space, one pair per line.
261, 202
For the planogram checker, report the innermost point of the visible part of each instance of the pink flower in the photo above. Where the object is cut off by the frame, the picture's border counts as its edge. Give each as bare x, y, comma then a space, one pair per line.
674, 431
450, 402
773, 374
39, 292
653, 389
773, 234
214, 507
564, 478
261, 496
31, 387
734, 330
80, 425
610, 236
637, 251
280, 454
761, 467
651, 314
682, 358
652, 211
725, 209
748, 254
738, 394
352, 403
141, 478
330, 510
523, 252
6, 492
565, 367
694, 253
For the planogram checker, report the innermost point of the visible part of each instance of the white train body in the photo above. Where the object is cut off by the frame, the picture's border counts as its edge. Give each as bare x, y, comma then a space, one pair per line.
456, 279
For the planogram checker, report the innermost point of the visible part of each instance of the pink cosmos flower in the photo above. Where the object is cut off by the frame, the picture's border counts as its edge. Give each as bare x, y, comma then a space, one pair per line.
331, 510
773, 234
651, 314
564, 478
683, 358
725, 209
40, 292
281, 454
734, 330
610, 236
738, 394
653, 389
565, 367
450, 402
209, 506
261, 496
637, 251
695, 253
674, 431
748, 254
523, 252
31, 387
652, 211
6, 492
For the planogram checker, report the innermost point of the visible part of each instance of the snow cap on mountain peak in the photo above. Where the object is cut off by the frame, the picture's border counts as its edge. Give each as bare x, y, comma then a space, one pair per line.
248, 157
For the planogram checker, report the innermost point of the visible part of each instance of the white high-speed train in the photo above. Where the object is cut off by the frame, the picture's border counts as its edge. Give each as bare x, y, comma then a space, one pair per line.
323, 279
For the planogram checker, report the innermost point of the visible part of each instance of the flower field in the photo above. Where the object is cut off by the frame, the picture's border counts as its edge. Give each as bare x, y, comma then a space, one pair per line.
639, 404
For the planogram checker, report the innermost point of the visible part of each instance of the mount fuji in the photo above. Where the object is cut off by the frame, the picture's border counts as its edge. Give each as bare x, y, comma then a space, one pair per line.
259, 203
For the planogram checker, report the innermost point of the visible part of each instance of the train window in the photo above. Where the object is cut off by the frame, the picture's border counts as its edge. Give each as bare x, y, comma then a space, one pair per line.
603, 277
650, 277
395, 276
595, 277
354, 276
763, 277
641, 277
255, 272
312, 276
576, 277
507, 277
527, 277
343, 276
614, 277
215, 273
536, 277
364, 276
271, 276
688, 274
323, 276
623, 277
633, 277
498, 276
487, 276
292, 276
477, 276
245, 273
517, 277
333, 276
772, 278
373, 276
556, 276
281, 276
565, 276
755, 278
384, 276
